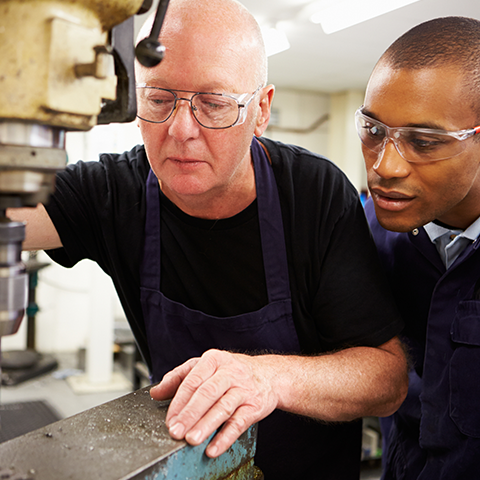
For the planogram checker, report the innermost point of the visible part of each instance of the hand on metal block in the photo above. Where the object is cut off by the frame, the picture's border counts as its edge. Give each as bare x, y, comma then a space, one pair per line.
219, 388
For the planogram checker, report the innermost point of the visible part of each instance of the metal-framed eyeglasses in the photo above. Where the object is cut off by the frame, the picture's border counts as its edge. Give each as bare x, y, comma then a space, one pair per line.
210, 110
415, 145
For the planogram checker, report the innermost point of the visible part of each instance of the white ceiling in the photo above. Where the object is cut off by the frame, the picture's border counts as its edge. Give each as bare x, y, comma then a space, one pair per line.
342, 60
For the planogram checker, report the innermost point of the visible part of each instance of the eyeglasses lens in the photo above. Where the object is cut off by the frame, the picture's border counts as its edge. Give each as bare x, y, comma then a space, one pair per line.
215, 111
210, 110
414, 145
155, 105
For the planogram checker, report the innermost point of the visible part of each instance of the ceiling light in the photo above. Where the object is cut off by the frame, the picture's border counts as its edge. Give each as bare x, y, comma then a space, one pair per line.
339, 14
276, 40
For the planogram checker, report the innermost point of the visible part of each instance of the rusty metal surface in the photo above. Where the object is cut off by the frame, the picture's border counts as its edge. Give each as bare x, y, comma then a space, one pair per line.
120, 440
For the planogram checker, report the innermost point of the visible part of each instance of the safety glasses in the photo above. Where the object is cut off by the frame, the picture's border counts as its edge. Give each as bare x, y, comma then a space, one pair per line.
210, 110
415, 145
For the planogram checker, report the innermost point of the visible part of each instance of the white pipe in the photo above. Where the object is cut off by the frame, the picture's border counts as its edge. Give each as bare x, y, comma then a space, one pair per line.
99, 355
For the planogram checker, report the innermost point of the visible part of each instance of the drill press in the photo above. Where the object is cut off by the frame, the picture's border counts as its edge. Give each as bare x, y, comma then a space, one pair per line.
60, 63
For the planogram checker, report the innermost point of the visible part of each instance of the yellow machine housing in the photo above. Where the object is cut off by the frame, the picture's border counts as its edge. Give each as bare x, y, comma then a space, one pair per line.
55, 66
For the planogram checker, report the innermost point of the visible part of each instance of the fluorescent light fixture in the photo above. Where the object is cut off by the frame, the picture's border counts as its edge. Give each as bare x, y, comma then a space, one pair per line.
276, 40
339, 14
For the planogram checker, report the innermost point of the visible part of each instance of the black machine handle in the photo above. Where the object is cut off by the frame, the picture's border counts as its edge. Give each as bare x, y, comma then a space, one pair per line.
150, 51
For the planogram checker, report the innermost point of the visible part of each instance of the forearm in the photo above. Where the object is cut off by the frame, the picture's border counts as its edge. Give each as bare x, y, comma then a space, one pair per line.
237, 390
40, 231
341, 386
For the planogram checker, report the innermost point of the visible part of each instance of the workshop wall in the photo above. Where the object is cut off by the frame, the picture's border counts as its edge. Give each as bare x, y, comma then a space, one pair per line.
322, 123
300, 118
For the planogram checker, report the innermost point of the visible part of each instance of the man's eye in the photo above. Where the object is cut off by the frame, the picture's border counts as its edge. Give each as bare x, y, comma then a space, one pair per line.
426, 143
161, 101
213, 105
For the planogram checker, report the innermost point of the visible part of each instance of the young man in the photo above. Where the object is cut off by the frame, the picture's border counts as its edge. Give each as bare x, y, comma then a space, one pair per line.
418, 128
238, 263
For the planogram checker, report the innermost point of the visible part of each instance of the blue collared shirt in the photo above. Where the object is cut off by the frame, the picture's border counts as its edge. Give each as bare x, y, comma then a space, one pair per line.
450, 243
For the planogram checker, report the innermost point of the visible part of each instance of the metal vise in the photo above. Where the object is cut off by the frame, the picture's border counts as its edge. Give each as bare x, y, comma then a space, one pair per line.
124, 439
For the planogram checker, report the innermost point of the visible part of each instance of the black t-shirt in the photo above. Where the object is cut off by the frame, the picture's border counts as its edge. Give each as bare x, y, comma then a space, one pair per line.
339, 295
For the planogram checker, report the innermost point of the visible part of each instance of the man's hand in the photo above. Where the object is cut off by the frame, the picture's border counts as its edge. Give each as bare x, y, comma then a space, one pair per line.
218, 388
238, 390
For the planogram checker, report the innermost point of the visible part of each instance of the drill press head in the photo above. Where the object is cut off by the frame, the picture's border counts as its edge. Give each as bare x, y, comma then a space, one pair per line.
57, 69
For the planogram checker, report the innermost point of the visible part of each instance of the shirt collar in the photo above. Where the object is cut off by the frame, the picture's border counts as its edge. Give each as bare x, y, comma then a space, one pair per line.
435, 231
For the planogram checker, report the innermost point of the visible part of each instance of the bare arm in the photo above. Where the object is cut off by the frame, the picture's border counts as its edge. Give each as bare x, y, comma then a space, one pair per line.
241, 390
41, 234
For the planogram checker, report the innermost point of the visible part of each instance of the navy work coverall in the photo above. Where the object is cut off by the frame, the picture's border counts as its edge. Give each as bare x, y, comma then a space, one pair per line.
436, 432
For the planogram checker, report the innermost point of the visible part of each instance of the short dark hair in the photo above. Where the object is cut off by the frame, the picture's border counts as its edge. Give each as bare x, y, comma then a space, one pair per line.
445, 41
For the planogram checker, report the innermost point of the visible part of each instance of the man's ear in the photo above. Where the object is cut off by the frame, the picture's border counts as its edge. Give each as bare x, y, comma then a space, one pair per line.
265, 104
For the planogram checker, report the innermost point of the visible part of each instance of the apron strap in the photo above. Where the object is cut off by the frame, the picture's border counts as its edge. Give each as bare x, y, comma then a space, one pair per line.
151, 249
271, 226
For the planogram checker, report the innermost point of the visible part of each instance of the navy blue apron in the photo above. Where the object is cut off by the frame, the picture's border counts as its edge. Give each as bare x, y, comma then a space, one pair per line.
286, 443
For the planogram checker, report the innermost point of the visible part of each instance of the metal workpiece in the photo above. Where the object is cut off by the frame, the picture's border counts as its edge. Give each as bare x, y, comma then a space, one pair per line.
122, 440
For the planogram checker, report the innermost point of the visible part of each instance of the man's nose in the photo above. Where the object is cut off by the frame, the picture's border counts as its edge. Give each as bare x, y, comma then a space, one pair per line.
389, 163
182, 122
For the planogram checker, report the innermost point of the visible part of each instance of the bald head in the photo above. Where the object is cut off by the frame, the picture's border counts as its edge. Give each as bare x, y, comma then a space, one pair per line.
211, 27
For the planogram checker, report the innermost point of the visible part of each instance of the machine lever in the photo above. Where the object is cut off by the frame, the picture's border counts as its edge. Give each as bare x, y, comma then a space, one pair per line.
150, 51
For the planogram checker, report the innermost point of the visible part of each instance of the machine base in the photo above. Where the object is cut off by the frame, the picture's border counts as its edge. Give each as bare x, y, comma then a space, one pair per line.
25, 366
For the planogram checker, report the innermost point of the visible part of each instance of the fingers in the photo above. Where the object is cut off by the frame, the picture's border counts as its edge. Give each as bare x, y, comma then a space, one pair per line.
220, 388
241, 420
197, 393
223, 410
172, 380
